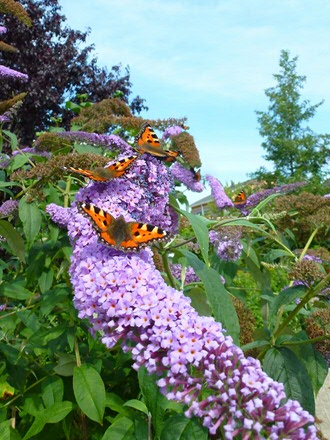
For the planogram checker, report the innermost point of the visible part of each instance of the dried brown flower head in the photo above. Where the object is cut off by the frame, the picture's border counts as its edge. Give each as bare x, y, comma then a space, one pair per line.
7, 47
185, 143
8, 104
101, 116
51, 142
305, 212
307, 272
246, 320
318, 324
53, 169
16, 9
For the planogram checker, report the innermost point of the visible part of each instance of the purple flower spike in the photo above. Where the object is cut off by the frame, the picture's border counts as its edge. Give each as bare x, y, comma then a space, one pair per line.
110, 141
220, 197
3, 30
254, 199
187, 177
5, 72
126, 299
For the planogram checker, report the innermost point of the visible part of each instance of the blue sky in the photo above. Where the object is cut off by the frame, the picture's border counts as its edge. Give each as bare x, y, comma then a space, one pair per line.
211, 60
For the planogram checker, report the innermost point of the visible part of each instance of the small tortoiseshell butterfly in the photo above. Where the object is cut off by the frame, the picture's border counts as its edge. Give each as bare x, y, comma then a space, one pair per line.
112, 171
116, 232
240, 199
147, 142
197, 174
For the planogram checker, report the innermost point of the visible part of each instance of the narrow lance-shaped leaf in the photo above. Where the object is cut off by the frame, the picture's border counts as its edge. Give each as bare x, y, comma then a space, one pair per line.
218, 297
14, 240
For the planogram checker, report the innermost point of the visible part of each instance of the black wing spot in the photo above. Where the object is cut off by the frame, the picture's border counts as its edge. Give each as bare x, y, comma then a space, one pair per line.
97, 209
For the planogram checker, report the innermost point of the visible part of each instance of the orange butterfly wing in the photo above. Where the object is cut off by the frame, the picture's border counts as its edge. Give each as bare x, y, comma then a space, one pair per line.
101, 220
147, 137
143, 234
240, 199
118, 168
112, 171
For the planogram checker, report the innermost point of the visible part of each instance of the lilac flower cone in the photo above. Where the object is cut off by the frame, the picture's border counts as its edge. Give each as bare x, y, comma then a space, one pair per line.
127, 300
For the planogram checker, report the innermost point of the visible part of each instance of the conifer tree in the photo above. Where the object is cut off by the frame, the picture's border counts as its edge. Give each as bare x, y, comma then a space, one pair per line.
295, 150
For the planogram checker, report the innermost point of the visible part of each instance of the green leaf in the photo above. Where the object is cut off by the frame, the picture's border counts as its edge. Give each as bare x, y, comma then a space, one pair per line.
154, 400
54, 414
14, 240
15, 290
66, 365
52, 390
7, 432
89, 392
284, 366
8, 184
45, 280
121, 429
199, 225
53, 298
314, 362
138, 405
255, 344
286, 296
43, 336
199, 301
18, 161
218, 297
12, 137
85, 148
31, 219
277, 253
179, 427
250, 253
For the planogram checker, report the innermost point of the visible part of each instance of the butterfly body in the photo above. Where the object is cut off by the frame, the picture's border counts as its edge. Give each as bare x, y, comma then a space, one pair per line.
116, 232
100, 174
240, 199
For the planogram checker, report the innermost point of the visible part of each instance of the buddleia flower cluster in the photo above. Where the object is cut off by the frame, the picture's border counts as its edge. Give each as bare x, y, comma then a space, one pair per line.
128, 302
226, 243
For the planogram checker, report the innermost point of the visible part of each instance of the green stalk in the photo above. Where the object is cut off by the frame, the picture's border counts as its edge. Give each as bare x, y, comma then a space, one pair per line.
308, 341
66, 192
311, 238
167, 269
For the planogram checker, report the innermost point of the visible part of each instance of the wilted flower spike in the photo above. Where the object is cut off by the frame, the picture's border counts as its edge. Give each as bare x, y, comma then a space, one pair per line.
220, 197
127, 300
